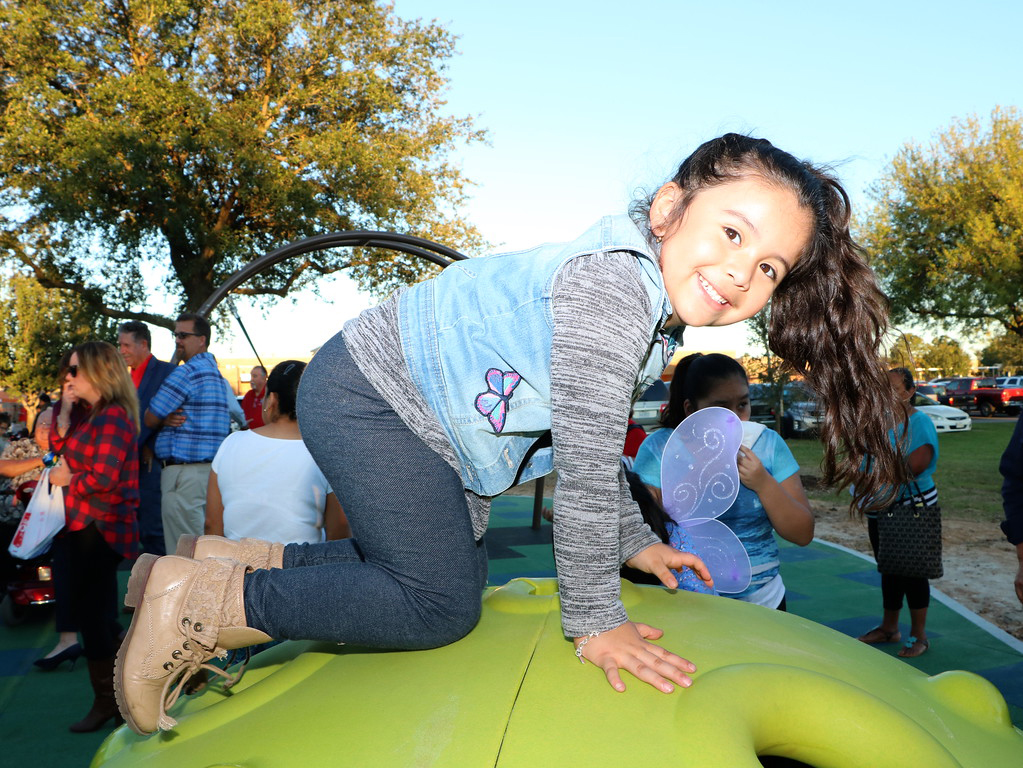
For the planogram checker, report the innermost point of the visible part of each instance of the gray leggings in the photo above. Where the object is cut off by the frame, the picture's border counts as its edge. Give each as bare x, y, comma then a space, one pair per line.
412, 575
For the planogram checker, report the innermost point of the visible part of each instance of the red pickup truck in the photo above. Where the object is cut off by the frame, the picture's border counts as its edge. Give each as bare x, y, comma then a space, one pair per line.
976, 393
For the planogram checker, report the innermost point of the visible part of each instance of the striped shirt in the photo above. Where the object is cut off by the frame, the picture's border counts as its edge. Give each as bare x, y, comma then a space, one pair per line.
198, 389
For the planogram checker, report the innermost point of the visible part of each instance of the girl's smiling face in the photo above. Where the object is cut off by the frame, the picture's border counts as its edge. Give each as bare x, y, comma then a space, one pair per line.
734, 244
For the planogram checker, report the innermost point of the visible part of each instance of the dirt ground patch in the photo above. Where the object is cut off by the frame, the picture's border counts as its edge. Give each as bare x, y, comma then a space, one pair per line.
979, 563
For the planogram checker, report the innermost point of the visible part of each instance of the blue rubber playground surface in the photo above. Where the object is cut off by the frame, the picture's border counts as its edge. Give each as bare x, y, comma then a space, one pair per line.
827, 584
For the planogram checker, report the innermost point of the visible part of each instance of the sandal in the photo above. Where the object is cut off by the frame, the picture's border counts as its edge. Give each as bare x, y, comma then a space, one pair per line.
878, 635
914, 647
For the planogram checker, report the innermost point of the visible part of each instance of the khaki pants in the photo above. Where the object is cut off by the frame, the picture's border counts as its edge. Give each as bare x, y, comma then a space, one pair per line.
183, 487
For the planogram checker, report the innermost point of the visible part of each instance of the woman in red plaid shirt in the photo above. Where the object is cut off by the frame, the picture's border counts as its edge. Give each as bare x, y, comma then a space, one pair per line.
100, 468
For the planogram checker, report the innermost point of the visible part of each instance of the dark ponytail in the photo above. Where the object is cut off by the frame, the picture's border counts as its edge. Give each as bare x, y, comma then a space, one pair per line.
283, 382
694, 378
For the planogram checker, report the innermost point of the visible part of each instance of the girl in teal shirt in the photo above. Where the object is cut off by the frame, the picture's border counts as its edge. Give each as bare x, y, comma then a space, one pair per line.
771, 496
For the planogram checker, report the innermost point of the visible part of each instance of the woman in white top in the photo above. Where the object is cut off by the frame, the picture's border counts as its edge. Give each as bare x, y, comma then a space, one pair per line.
264, 484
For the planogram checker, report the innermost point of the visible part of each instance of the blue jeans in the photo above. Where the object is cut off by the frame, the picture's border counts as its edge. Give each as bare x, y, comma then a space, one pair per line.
412, 575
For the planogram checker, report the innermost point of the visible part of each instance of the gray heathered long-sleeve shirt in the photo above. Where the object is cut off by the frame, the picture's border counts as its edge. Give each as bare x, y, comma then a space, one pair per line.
602, 318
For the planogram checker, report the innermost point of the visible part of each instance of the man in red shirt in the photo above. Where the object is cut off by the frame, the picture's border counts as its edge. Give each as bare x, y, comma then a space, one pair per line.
252, 403
133, 342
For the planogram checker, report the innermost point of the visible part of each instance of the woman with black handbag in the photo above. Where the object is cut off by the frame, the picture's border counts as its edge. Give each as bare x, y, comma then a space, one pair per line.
906, 537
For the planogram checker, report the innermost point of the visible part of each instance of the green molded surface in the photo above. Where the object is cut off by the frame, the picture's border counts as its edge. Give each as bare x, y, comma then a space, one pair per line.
512, 695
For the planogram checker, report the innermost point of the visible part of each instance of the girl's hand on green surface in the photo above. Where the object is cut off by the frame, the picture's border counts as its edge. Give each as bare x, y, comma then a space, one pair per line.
627, 647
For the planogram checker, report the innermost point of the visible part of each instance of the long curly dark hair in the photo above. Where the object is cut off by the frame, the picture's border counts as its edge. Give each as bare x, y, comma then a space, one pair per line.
827, 317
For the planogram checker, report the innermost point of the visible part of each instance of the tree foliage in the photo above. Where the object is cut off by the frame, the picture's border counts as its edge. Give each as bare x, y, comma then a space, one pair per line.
183, 138
1005, 350
946, 235
40, 325
947, 356
768, 369
943, 356
906, 350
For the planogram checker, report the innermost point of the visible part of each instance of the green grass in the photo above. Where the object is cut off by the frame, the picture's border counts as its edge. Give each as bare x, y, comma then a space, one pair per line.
969, 486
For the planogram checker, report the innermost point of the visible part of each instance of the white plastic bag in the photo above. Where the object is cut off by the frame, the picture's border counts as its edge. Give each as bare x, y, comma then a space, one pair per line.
43, 519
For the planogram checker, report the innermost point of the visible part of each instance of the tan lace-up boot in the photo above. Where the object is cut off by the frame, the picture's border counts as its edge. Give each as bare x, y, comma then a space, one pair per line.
186, 613
255, 553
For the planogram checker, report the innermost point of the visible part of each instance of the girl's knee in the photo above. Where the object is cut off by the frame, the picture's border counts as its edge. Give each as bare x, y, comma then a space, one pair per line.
453, 620
464, 622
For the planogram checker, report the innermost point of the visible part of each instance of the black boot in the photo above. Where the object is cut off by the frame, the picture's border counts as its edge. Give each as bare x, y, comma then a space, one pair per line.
104, 706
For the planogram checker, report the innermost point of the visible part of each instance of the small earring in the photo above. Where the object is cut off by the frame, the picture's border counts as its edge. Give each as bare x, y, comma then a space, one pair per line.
659, 239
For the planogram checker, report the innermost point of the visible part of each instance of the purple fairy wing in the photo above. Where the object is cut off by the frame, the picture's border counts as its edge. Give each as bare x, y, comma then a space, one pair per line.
723, 553
699, 477
700, 481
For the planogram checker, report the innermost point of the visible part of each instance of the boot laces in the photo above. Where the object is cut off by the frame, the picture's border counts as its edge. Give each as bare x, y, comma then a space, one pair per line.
192, 658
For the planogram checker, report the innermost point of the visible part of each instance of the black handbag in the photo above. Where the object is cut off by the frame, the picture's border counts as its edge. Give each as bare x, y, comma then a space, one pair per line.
909, 539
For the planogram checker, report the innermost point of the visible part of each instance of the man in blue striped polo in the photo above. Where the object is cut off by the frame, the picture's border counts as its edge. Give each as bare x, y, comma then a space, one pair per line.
192, 409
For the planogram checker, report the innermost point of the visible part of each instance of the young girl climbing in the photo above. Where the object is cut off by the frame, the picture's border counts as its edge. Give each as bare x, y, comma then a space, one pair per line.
771, 497
501, 369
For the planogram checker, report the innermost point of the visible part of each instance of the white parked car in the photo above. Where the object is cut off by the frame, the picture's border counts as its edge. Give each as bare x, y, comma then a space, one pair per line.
1009, 381
945, 417
803, 415
647, 410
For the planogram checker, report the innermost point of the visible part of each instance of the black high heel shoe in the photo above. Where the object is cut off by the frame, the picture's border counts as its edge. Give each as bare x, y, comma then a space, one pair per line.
50, 663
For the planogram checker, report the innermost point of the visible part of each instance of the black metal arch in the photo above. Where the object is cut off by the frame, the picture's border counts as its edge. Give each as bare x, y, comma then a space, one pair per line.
415, 246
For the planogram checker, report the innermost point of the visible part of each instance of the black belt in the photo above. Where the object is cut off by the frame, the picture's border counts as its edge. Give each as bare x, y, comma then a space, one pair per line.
178, 462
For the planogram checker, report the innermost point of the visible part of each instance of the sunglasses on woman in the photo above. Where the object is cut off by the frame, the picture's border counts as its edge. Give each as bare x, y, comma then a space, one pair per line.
73, 370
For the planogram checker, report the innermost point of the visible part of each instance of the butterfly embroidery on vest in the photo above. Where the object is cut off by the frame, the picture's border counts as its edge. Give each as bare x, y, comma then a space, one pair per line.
494, 402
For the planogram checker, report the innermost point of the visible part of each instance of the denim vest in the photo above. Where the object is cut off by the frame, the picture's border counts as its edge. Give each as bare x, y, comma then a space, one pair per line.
477, 341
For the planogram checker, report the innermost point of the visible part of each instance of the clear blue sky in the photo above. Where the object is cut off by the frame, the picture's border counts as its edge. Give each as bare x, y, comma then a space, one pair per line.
587, 102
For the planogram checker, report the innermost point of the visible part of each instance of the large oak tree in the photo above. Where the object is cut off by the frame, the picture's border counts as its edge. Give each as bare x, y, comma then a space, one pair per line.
946, 234
179, 139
